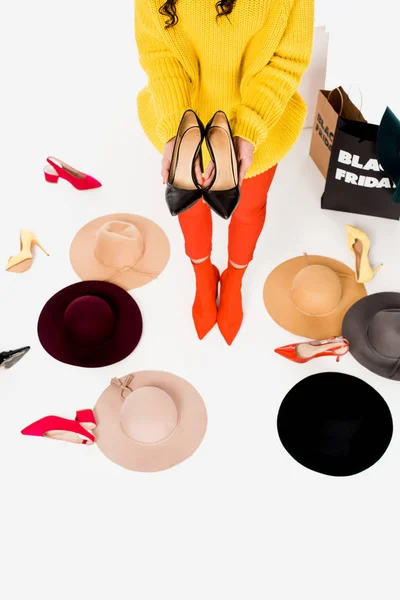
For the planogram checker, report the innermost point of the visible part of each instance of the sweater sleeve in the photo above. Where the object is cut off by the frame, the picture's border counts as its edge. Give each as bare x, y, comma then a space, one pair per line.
265, 97
168, 81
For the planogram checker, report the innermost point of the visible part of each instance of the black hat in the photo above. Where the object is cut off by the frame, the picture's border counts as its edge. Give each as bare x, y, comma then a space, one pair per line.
335, 424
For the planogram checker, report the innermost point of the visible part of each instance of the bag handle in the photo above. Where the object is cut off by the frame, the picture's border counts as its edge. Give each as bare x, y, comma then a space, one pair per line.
361, 96
348, 94
341, 99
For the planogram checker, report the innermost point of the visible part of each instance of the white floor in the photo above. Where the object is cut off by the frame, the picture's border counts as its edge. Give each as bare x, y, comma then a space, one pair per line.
240, 519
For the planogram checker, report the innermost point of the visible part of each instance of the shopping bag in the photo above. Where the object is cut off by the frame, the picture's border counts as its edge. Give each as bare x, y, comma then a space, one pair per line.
356, 182
313, 79
330, 105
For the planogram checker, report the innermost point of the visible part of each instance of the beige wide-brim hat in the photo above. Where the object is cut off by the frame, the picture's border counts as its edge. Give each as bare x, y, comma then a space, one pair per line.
124, 249
149, 421
310, 295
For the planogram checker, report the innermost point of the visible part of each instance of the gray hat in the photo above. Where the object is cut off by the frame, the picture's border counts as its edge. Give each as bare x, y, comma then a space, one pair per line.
372, 327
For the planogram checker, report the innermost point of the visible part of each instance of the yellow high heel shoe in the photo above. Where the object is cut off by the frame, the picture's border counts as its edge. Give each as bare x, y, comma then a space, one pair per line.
23, 261
359, 244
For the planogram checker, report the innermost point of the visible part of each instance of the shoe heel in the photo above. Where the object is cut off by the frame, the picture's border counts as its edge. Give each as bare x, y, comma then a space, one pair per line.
374, 272
50, 178
86, 418
40, 246
201, 161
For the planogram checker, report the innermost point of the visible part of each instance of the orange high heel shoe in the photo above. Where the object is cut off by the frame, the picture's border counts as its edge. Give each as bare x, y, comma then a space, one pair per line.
23, 261
305, 351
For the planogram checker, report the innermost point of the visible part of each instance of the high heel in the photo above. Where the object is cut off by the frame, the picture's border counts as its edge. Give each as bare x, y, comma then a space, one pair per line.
80, 181
23, 261
306, 351
223, 193
183, 190
9, 358
58, 428
86, 418
359, 244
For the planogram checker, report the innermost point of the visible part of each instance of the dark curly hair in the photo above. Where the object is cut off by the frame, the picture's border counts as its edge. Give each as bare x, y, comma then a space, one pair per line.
168, 9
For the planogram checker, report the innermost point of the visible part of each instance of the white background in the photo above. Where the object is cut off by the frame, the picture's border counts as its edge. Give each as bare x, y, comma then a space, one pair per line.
240, 518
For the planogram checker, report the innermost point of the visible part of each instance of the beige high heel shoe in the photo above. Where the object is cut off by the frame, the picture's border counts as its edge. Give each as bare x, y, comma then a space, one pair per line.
23, 261
359, 244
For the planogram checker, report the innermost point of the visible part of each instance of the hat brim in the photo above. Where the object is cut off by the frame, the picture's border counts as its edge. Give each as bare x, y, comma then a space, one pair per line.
180, 445
125, 337
335, 424
282, 310
148, 267
355, 330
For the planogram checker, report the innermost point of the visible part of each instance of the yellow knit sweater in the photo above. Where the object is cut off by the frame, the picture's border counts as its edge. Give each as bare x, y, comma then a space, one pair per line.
249, 66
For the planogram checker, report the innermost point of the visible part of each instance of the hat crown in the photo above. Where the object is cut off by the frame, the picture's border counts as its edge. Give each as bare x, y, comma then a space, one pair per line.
384, 333
336, 435
89, 320
118, 244
148, 415
316, 290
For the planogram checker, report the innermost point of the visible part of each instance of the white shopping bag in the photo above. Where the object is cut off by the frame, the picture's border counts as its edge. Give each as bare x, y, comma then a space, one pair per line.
314, 78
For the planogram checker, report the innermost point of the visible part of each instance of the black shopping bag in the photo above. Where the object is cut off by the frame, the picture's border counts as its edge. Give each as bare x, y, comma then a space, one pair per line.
356, 182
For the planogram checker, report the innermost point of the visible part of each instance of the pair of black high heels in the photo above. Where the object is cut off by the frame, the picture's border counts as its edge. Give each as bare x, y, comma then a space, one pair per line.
183, 189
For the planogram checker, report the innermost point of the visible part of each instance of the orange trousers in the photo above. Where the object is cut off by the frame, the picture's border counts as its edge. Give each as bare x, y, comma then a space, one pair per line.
245, 226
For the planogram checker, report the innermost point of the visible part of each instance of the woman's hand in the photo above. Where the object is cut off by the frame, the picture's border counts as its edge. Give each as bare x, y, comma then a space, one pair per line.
209, 174
166, 163
245, 155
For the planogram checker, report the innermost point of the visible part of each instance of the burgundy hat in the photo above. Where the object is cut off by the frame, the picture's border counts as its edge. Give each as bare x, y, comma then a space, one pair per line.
90, 324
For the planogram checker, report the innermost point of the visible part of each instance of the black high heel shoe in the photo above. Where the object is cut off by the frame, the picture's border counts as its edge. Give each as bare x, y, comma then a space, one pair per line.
9, 358
183, 191
223, 194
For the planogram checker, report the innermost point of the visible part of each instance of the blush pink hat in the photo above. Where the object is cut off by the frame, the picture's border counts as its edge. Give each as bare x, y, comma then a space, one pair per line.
124, 249
149, 421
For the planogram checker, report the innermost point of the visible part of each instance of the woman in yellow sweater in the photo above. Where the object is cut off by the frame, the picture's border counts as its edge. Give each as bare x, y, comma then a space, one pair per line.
246, 58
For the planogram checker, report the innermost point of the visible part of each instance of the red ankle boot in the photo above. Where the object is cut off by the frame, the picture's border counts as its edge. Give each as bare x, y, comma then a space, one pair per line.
230, 312
205, 303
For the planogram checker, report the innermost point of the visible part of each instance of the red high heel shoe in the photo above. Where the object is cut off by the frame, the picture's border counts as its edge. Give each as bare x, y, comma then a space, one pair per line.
60, 429
86, 418
305, 351
79, 180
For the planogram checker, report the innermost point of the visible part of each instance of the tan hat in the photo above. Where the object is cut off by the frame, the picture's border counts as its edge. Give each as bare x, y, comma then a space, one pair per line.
124, 249
149, 421
309, 295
